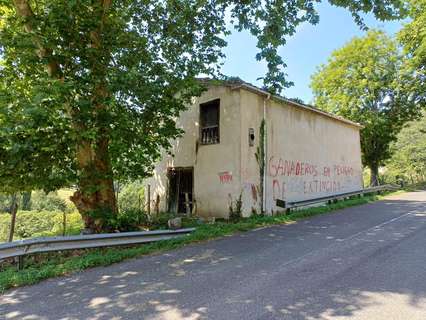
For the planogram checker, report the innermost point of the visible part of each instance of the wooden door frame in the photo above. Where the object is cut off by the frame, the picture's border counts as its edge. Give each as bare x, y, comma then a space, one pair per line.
169, 170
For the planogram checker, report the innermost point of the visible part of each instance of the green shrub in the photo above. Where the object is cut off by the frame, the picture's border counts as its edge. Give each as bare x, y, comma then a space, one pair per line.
131, 197
134, 220
129, 220
160, 221
30, 224
41, 201
4, 202
4, 226
235, 208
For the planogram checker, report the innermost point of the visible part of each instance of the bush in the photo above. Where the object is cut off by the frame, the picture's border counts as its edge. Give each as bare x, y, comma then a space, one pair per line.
31, 224
135, 220
40, 201
235, 208
4, 203
160, 221
131, 197
129, 220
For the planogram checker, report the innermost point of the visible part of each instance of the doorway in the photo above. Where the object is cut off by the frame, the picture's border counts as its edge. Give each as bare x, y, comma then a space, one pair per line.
181, 183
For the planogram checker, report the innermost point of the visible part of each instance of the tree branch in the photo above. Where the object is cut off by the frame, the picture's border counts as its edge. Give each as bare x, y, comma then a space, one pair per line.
23, 10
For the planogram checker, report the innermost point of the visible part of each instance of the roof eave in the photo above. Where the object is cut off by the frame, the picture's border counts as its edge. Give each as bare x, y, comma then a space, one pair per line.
299, 105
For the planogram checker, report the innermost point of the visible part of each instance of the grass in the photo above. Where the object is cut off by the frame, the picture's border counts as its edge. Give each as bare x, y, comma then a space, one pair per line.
49, 265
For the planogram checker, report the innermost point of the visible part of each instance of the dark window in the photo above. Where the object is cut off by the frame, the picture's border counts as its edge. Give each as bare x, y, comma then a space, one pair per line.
209, 122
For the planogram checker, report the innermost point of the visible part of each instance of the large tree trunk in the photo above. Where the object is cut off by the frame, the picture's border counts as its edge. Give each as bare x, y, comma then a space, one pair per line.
95, 197
374, 177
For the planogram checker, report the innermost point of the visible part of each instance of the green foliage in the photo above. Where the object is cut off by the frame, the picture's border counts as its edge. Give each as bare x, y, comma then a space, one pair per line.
235, 207
134, 220
131, 220
26, 201
23, 199
30, 224
364, 81
38, 201
160, 221
47, 202
5, 202
83, 81
131, 196
260, 158
413, 38
408, 161
53, 265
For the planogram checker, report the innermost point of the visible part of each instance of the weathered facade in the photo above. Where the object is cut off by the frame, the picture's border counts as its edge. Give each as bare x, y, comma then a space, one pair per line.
307, 154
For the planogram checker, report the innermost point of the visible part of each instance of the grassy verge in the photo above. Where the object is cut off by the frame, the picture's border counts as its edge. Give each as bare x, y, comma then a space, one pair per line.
43, 266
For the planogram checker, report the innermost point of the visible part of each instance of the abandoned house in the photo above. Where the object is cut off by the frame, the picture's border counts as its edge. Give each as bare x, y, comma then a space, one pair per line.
224, 161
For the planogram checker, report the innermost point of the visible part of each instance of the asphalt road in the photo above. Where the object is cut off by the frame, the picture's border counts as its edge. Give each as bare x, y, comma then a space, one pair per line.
365, 262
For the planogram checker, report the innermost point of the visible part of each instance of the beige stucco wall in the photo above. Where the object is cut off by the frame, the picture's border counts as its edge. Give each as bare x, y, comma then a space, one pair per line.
308, 154
209, 161
251, 117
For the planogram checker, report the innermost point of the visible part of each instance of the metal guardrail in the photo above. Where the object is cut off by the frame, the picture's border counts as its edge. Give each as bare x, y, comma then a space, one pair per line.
302, 203
21, 248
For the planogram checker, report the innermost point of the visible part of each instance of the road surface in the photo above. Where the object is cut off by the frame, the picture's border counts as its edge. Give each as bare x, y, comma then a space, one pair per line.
365, 262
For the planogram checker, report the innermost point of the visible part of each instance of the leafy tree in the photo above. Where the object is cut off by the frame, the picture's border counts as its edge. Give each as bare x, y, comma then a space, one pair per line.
364, 81
409, 157
413, 38
91, 89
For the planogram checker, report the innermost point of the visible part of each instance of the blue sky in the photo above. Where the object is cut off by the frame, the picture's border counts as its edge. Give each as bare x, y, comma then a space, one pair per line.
308, 48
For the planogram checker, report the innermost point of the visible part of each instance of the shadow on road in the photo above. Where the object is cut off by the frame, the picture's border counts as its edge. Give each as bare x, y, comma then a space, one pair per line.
353, 262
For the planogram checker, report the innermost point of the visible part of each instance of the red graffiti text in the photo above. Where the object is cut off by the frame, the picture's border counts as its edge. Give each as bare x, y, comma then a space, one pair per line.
225, 177
280, 167
316, 186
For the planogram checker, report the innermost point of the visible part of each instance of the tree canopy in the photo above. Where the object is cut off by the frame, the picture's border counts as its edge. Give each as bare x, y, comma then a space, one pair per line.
409, 152
90, 89
365, 81
413, 38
